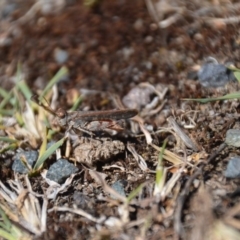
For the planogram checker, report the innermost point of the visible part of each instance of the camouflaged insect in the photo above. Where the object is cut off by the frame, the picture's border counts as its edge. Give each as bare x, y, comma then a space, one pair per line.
90, 151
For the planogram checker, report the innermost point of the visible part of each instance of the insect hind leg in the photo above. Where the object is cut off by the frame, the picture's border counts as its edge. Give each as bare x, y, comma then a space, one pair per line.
78, 127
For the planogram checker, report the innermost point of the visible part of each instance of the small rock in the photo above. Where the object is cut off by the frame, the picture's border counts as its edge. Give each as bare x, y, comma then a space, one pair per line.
7, 9
126, 52
61, 170
138, 25
148, 39
138, 97
50, 7
118, 186
233, 137
60, 56
82, 201
233, 168
214, 75
30, 156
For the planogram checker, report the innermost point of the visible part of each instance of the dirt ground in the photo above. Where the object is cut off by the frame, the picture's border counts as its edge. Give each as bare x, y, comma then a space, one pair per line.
113, 47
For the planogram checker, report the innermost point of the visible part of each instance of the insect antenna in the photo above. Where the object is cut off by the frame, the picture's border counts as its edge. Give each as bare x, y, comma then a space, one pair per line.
35, 98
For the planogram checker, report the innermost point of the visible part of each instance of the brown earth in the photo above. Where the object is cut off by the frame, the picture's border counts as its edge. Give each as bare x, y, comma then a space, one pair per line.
114, 46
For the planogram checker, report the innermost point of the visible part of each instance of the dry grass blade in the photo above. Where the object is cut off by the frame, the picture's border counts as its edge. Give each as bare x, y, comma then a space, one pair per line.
182, 135
160, 173
222, 231
169, 156
77, 211
171, 183
152, 108
139, 159
9, 231
23, 207
107, 188
55, 188
146, 133
231, 217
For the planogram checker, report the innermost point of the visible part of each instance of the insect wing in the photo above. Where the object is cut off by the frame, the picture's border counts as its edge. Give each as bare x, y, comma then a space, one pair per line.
106, 115
95, 126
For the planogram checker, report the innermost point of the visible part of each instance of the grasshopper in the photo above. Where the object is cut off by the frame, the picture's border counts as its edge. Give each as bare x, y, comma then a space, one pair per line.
88, 122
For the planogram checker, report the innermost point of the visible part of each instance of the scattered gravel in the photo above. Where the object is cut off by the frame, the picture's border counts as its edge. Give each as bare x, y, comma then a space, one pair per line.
31, 158
61, 170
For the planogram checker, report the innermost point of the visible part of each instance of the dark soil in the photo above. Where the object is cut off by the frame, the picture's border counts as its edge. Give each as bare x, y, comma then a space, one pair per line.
114, 46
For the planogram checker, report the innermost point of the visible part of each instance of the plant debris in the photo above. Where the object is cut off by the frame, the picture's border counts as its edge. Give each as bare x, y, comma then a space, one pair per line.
140, 149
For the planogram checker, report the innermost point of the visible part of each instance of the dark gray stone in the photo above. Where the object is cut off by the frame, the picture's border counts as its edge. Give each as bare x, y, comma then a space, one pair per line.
61, 170
30, 156
214, 75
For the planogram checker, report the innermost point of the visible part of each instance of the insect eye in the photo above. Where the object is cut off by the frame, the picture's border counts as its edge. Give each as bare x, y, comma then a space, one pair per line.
61, 113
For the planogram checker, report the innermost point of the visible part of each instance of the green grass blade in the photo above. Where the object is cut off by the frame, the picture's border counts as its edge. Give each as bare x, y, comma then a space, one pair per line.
3, 93
8, 140
161, 154
47, 153
44, 144
234, 69
6, 112
134, 193
160, 176
7, 235
6, 224
6, 100
12, 146
60, 74
23, 87
77, 103
7, 229
3, 225
7, 97
235, 95
237, 75
19, 118
21, 84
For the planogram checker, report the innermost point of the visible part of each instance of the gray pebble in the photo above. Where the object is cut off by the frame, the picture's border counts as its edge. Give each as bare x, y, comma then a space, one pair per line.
233, 137
138, 97
214, 75
61, 170
233, 168
7, 8
118, 186
60, 56
83, 201
30, 156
